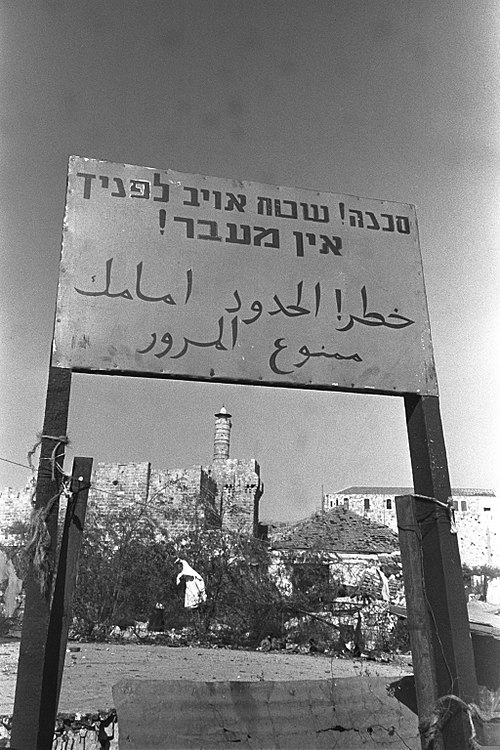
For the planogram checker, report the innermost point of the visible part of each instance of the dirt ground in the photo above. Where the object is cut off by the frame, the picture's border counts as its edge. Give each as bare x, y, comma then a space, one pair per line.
91, 669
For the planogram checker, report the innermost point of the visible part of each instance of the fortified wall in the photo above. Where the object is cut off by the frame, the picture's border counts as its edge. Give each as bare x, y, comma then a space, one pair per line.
174, 500
224, 494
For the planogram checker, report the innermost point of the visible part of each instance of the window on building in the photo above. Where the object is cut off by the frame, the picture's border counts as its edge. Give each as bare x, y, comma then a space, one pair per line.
346, 502
463, 505
487, 510
367, 503
388, 503
455, 505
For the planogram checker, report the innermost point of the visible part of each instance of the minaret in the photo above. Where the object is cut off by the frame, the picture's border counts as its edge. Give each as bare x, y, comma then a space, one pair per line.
222, 435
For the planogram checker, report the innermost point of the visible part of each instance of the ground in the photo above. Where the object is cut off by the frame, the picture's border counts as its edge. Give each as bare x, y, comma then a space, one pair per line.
91, 669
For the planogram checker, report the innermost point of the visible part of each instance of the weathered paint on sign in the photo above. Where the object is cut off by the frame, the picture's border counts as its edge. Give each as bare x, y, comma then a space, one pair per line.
197, 277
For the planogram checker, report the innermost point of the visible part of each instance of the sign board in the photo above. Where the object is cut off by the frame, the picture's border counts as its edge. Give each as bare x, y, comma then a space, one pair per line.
196, 277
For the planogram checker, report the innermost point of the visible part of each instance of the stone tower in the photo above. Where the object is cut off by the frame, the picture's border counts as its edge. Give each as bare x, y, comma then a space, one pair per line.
239, 487
222, 435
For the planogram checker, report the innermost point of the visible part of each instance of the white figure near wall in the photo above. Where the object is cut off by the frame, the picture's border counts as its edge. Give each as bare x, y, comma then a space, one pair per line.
195, 586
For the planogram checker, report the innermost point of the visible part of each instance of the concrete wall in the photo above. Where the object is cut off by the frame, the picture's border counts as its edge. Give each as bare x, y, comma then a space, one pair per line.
351, 713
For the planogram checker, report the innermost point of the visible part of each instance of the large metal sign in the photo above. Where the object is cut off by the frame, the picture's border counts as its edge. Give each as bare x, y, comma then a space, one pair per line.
197, 277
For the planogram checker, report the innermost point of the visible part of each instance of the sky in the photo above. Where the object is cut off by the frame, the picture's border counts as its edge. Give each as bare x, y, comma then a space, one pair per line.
394, 100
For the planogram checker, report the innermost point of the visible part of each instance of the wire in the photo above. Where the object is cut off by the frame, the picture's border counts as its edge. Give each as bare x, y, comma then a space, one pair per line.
15, 463
93, 486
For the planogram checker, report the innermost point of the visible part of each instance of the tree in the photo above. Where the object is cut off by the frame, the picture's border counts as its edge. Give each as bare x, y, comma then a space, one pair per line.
123, 571
242, 598
127, 565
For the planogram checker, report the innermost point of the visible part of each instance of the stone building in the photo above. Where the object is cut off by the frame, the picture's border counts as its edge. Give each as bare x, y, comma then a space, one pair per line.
476, 516
341, 547
15, 511
349, 570
224, 494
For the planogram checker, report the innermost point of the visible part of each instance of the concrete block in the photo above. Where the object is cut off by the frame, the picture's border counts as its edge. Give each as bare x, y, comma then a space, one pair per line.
347, 713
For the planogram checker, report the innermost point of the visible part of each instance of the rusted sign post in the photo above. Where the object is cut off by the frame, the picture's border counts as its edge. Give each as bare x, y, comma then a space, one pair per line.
182, 276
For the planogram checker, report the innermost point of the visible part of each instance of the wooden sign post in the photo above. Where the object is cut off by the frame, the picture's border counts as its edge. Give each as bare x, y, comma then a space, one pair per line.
60, 614
442, 652
189, 277
28, 718
42, 694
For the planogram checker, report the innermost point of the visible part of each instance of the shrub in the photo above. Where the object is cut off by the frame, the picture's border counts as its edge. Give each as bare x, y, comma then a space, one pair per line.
125, 569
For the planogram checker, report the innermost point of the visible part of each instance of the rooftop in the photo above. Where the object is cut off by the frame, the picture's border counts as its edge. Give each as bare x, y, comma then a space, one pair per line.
337, 530
456, 491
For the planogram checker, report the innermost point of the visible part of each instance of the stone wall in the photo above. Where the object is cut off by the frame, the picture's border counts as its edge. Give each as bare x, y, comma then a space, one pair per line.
227, 493
478, 538
379, 576
239, 492
224, 494
176, 500
118, 486
15, 511
208, 493
183, 499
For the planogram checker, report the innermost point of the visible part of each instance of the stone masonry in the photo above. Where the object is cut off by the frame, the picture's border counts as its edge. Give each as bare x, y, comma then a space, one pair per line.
476, 516
238, 481
224, 494
15, 511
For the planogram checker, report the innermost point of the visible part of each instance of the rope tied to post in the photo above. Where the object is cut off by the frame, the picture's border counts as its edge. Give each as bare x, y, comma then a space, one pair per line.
431, 729
448, 506
38, 544
59, 440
